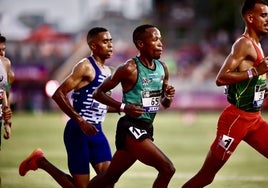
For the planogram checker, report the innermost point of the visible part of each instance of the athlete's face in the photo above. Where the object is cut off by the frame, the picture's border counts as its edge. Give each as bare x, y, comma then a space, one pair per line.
2, 49
259, 18
152, 44
102, 45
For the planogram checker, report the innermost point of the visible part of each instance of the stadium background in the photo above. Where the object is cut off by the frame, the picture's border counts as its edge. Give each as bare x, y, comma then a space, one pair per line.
45, 39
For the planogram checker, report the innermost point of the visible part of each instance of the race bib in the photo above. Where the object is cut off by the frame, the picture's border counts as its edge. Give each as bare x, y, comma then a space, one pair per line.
151, 100
259, 95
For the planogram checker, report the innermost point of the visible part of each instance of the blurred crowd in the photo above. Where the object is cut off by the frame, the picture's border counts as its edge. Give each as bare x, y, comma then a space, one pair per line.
193, 67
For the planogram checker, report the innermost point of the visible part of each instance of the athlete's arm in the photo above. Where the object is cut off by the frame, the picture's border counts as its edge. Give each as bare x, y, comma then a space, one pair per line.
73, 81
10, 75
124, 74
168, 90
238, 62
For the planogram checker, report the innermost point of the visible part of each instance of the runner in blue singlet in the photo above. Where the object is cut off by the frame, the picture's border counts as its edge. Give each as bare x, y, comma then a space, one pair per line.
83, 137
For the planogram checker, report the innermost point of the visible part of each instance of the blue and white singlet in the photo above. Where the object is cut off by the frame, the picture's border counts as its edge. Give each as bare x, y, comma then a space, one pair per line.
83, 102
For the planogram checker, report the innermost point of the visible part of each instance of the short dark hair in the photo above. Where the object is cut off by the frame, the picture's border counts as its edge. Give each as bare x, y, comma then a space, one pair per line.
95, 31
2, 39
139, 31
248, 5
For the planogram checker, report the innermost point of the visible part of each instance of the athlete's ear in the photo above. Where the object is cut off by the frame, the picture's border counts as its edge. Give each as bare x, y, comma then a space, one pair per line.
140, 43
249, 18
92, 46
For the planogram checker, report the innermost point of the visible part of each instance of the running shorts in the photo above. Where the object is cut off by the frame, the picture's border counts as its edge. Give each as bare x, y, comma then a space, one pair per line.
235, 125
83, 150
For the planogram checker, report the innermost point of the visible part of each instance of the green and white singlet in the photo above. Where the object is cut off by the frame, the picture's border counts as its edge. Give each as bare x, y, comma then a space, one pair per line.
148, 89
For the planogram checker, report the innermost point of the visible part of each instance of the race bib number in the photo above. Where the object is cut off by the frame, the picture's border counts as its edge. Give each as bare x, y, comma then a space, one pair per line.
151, 100
259, 95
226, 141
136, 132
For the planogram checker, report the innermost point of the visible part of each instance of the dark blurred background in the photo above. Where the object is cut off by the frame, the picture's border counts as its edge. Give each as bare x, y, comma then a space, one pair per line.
46, 38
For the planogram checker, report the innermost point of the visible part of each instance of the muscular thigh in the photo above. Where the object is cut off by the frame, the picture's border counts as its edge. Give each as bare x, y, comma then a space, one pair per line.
99, 148
146, 151
257, 137
231, 129
77, 151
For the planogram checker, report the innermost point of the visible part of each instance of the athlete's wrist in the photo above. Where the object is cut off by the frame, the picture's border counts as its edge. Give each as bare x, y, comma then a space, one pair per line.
167, 97
254, 70
122, 107
250, 74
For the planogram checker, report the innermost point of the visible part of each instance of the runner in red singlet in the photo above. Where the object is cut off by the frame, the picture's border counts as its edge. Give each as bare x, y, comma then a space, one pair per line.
244, 75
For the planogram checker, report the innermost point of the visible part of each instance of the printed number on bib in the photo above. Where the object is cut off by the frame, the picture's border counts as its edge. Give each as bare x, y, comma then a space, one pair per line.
151, 100
136, 132
226, 142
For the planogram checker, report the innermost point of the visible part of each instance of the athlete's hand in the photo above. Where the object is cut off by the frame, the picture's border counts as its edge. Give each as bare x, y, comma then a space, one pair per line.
7, 113
169, 91
7, 126
134, 110
88, 128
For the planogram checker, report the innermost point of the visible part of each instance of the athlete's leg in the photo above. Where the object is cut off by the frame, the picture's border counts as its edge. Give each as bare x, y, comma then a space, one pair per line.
80, 180
207, 173
83, 150
78, 154
121, 161
231, 129
101, 167
99, 151
148, 153
257, 138
37, 160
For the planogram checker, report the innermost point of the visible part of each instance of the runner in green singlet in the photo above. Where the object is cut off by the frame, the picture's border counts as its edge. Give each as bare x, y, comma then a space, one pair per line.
144, 81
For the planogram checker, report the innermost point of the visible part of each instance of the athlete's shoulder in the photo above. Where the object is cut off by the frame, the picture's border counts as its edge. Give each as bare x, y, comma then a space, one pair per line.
5, 60
82, 69
129, 65
83, 64
160, 62
243, 42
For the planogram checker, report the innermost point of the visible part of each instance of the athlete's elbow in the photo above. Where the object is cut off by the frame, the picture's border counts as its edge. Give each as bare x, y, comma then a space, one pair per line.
55, 95
219, 82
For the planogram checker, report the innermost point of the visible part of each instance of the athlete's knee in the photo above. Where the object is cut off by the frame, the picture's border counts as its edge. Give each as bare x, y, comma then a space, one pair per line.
171, 169
167, 169
206, 180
